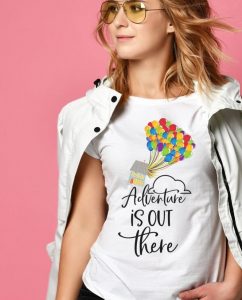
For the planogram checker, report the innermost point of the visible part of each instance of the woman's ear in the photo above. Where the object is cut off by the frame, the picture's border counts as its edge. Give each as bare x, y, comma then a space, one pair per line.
170, 28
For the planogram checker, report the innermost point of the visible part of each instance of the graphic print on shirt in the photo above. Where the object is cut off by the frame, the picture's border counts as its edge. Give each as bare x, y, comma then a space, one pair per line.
167, 144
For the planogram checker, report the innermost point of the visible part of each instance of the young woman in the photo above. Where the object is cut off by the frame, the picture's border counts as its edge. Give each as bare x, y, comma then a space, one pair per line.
147, 190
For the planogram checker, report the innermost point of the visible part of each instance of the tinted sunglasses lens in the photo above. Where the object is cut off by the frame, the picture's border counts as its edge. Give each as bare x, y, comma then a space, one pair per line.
135, 11
108, 11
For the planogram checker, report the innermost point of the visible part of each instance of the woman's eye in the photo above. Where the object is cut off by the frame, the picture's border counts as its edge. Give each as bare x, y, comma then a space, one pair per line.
112, 8
135, 8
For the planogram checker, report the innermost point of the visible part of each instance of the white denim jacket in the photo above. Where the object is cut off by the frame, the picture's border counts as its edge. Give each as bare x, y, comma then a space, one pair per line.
80, 120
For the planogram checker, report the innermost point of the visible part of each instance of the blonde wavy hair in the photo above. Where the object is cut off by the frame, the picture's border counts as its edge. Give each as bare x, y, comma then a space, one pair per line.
197, 51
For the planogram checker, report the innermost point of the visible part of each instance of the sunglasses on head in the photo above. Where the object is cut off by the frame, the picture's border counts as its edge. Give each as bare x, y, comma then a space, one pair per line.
134, 10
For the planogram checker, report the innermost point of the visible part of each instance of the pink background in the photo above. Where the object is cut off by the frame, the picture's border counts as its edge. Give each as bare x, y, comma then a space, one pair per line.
46, 62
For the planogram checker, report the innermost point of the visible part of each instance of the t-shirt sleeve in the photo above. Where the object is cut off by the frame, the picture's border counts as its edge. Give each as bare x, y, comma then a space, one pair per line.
92, 150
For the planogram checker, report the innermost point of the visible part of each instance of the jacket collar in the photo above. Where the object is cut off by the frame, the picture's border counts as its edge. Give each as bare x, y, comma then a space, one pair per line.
104, 99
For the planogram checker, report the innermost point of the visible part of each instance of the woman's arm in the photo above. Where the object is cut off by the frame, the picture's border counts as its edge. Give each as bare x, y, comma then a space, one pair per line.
233, 274
87, 215
229, 289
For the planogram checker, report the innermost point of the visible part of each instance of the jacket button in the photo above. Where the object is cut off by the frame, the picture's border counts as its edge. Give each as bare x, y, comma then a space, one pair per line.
97, 129
97, 82
114, 98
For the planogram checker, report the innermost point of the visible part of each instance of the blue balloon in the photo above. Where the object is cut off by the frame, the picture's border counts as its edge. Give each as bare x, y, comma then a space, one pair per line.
173, 141
173, 152
149, 146
169, 157
153, 131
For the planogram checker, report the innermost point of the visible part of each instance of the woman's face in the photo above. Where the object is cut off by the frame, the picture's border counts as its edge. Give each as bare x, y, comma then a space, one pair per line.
148, 37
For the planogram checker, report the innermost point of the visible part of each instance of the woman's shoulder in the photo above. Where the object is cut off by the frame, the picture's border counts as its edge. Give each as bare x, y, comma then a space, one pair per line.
68, 111
230, 93
75, 105
224, 96
232, 87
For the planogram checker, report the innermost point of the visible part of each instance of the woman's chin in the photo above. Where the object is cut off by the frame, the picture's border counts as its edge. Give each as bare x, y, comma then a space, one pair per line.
127, 55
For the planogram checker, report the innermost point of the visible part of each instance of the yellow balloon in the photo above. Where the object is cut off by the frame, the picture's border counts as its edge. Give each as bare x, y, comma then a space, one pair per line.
189, 147
159, 130
179, 135
155, 123
170, 135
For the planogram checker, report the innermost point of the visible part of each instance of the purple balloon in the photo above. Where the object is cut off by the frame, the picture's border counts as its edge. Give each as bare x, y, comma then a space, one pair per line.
160, 147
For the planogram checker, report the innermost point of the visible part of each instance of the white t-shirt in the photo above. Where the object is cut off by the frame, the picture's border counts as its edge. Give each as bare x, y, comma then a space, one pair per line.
162, 234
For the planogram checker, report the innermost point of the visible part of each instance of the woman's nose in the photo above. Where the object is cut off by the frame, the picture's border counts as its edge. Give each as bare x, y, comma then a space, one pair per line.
120, 18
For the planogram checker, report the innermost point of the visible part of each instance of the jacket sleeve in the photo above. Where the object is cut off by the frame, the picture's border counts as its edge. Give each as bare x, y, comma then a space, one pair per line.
92, 150
60, 121
50, 246
226, 126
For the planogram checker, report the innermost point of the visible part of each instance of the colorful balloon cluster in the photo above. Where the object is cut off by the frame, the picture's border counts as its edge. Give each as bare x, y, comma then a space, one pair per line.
167, 144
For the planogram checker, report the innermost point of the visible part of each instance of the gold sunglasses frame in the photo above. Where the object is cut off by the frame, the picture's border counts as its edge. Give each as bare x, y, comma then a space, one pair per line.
123, 5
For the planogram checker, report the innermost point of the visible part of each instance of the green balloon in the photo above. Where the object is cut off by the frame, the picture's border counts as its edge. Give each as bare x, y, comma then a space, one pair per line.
154, 144
187, 154
165, 151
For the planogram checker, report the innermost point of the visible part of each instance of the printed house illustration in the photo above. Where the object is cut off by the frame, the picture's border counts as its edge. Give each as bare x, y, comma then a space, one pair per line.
138, 172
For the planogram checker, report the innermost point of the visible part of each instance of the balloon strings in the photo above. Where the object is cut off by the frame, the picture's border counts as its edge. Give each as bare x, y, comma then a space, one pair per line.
154, 166
153, 159
155, 155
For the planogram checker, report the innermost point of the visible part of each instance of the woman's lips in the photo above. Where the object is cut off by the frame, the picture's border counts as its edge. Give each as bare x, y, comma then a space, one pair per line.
124, 38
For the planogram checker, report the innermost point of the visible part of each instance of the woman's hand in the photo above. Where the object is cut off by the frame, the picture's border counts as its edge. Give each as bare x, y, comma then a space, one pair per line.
213, 291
